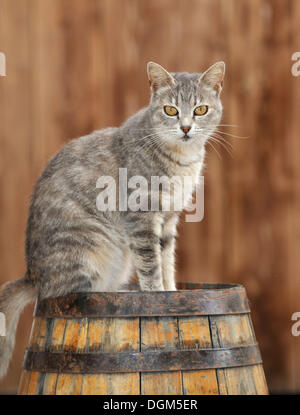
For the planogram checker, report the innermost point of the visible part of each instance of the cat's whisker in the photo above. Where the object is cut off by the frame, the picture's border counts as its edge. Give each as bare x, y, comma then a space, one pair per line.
154, 129
143, 143
216, 135
151, 142
224, 139
228, 149
208, 142
149, 135
222, 144
226, 125
137, 151
157, 146
216, 128
231, 135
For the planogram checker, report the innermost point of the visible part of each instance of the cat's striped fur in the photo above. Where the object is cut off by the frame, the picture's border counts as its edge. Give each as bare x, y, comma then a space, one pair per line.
71, 245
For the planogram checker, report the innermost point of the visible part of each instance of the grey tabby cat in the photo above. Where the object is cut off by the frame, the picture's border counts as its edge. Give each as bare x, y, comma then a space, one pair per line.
71, 245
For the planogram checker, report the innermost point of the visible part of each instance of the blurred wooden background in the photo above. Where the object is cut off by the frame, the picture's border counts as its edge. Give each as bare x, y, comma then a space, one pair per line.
75, 66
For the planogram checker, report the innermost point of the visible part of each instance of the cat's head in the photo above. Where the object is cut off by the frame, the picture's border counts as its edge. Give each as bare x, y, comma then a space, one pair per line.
185, 108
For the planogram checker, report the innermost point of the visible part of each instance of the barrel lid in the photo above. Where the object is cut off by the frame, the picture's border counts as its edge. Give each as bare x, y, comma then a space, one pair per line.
190, 299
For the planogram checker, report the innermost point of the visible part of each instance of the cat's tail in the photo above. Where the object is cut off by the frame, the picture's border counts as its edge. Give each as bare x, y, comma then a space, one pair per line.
14, 296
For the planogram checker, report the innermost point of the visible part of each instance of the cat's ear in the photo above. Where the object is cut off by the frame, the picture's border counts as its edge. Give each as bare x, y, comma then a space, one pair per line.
159, 77
214, 76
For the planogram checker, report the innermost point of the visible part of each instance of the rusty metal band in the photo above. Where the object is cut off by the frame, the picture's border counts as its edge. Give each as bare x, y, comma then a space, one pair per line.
231, 300
148, 361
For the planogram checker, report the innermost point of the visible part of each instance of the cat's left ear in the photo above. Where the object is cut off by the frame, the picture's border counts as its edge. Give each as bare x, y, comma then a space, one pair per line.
214, 76
159, 78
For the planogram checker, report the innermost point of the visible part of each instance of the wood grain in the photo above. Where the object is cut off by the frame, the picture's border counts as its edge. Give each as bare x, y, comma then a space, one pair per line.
111, 384
112, 335
160, 333
236, 330
68, 384
195, 334
177, 355
58, 333
24, 382
75, 335
50, 382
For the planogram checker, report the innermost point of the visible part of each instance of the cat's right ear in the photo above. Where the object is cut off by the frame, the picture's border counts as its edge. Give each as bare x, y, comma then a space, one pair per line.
158, 77
214, 76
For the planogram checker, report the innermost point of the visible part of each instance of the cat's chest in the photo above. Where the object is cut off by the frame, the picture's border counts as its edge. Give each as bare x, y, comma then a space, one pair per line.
188, 173
183, 182
189, 166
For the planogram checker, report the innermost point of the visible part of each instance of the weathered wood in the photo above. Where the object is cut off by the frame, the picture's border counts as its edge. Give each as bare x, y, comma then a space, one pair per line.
200, 382
194, 334
58, 333
33, 383
236, 330
50, 382
68, 384
157, 334
150, 360
75, 335
111, 384
229, 299
194, 354
24, 382
113, 335
164, 383
38, 334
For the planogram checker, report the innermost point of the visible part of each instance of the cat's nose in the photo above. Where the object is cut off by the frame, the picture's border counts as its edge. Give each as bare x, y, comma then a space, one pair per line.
185, 128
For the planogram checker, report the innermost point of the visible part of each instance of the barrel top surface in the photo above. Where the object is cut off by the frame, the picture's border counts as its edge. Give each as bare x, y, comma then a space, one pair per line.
206, 286
189, 299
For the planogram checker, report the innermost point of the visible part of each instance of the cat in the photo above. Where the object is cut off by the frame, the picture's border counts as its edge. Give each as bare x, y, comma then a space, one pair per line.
70, 244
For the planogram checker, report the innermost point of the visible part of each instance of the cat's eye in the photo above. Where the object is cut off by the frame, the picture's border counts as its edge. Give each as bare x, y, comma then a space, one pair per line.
201, 110
169, 110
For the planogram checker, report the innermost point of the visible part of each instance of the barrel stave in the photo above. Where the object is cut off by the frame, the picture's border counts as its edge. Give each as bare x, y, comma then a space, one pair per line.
112, 335
195, 334
50, 384
111, 384
68, 384
160, 333
236, 330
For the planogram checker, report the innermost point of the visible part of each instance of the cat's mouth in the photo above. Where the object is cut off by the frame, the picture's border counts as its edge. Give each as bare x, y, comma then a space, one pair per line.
186, 137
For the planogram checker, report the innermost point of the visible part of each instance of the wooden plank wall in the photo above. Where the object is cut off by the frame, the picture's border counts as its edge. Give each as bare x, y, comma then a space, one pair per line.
76, 66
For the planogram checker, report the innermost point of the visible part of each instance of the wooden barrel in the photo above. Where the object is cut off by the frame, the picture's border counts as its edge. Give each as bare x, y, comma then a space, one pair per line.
197, 340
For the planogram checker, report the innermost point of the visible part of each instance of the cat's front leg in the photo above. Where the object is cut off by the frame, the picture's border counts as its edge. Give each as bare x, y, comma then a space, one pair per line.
145, 238
168, 243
